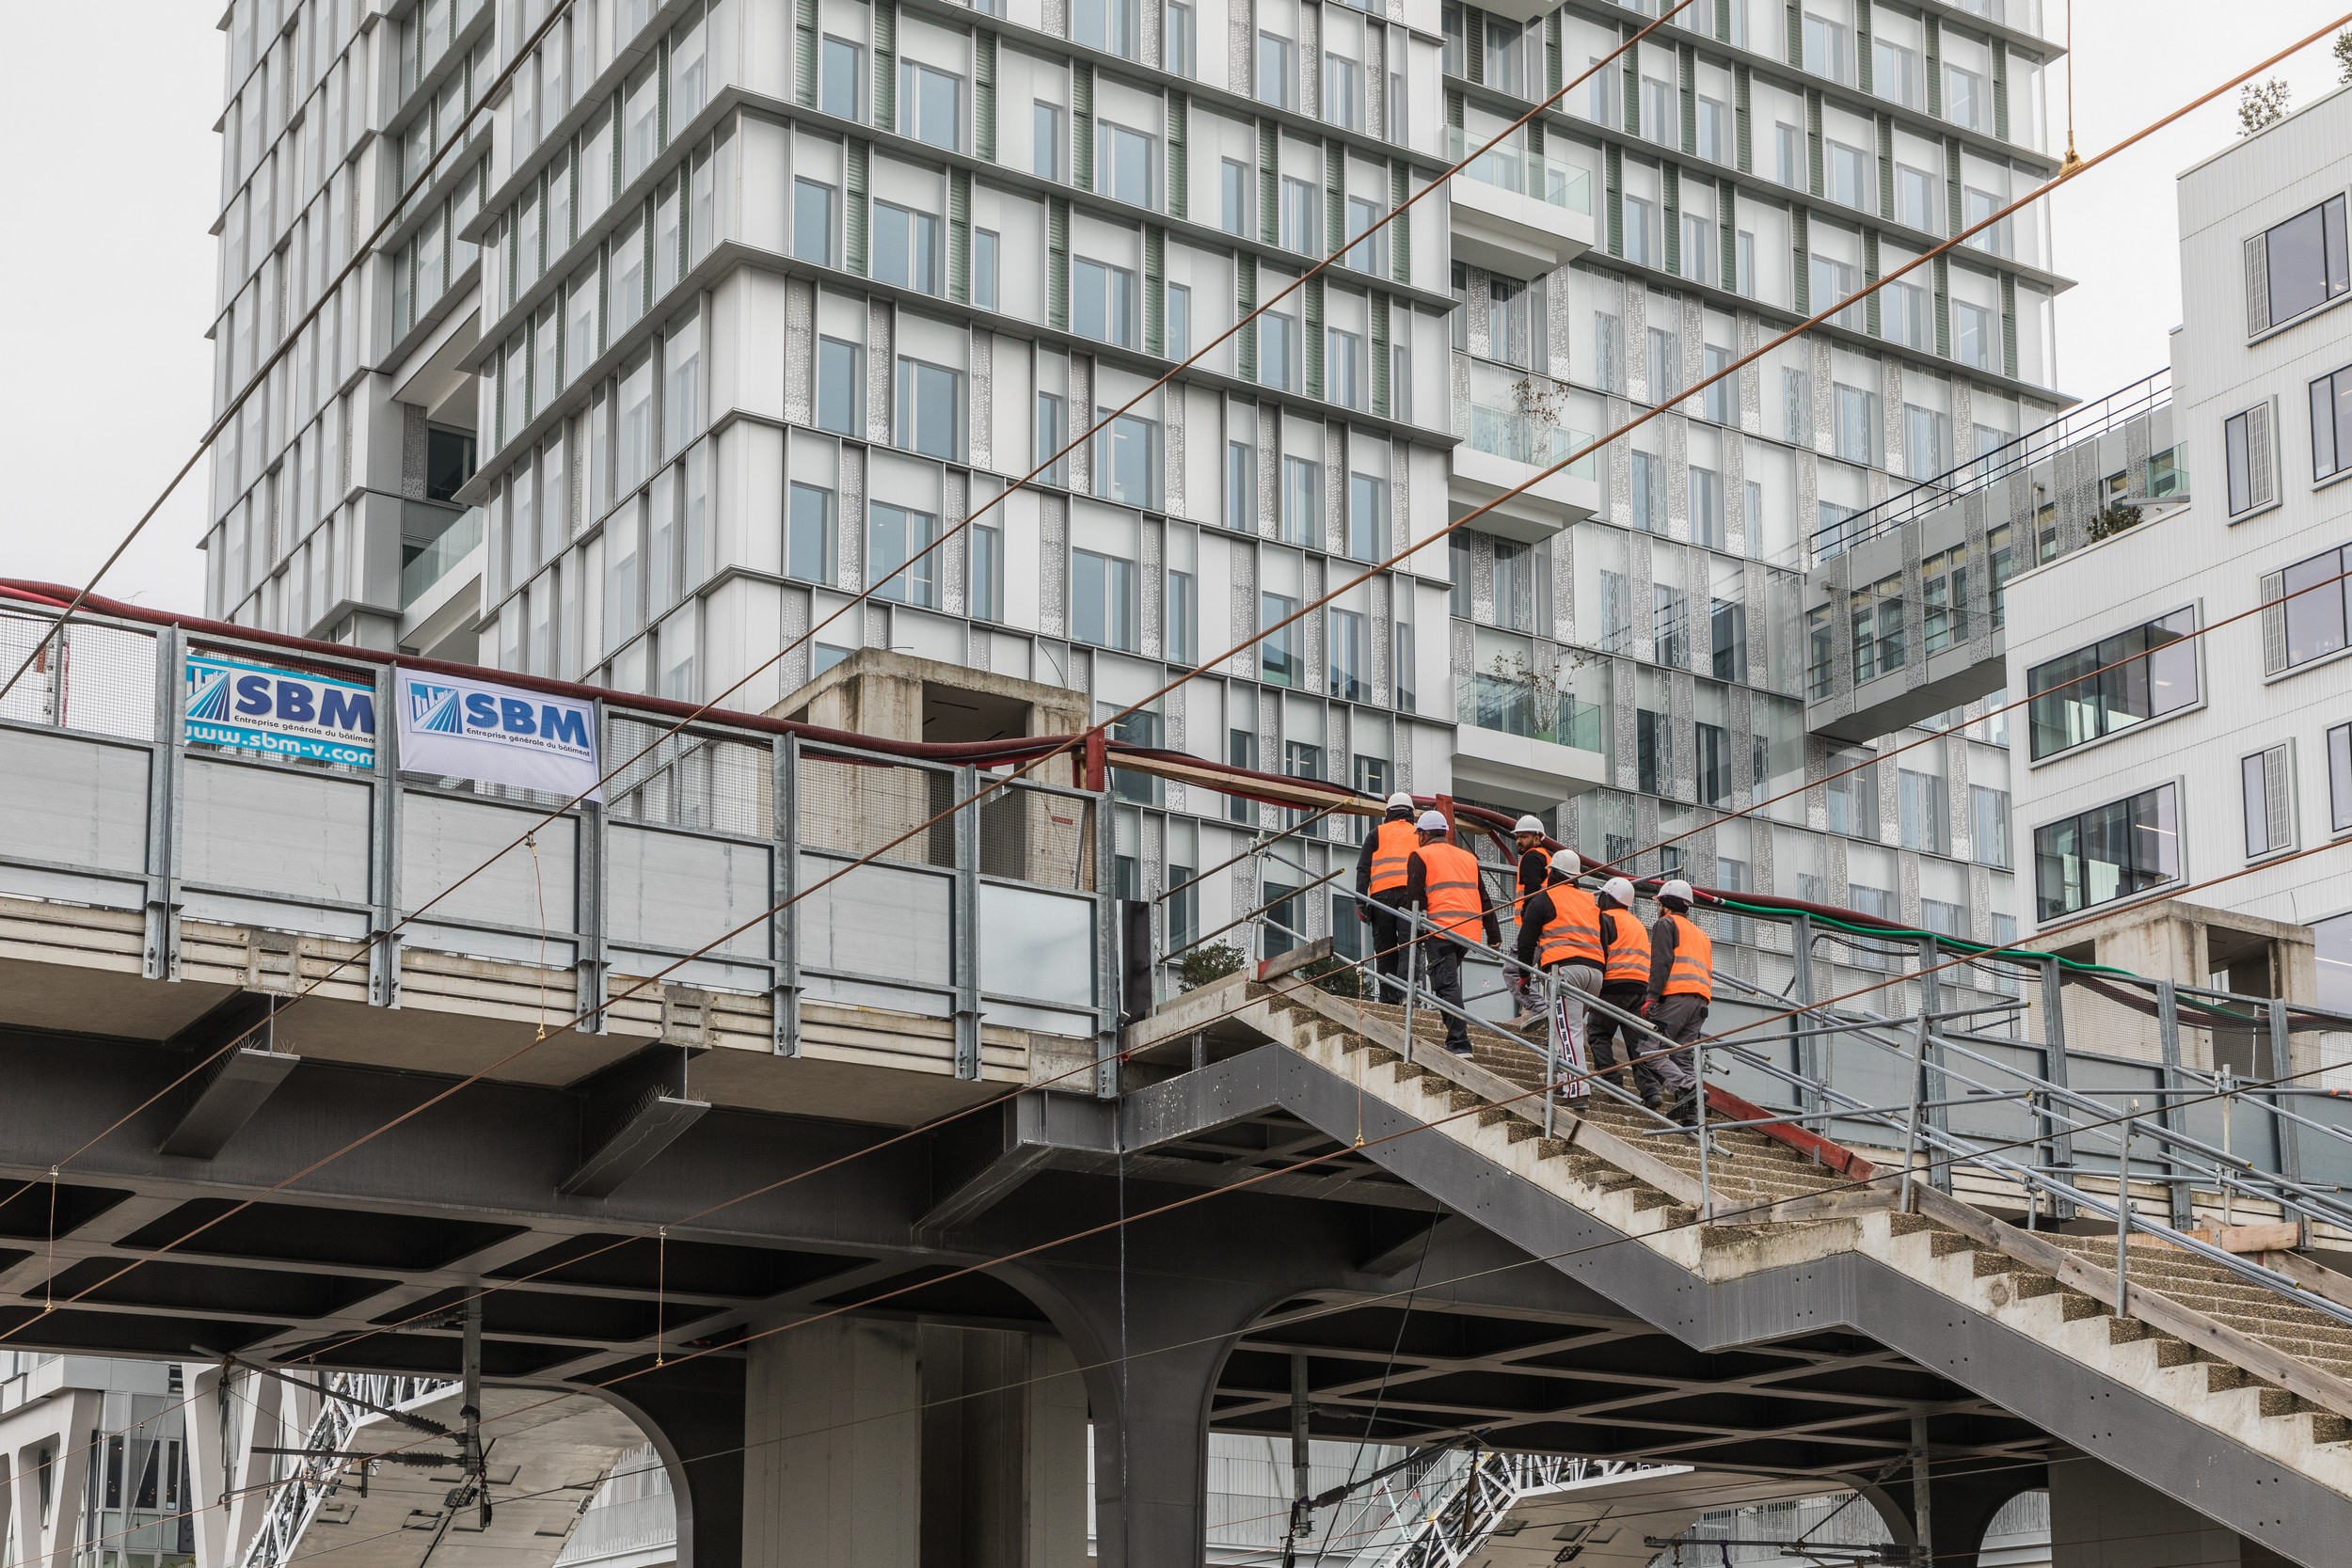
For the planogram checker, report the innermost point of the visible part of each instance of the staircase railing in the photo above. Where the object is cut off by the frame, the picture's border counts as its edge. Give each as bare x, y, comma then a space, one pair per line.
314, 1474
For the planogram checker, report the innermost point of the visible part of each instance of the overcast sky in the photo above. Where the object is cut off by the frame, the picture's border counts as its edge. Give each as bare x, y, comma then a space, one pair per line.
113, 272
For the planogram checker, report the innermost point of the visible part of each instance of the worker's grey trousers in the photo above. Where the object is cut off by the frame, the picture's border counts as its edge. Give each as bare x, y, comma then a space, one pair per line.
1665, 1073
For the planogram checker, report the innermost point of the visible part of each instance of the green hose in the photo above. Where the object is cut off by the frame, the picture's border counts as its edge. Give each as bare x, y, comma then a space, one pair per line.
1956, 943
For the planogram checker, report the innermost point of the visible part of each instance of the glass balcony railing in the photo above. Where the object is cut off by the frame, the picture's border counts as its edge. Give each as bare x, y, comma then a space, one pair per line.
433, 539
1520, 435
1548, 180
1520, 706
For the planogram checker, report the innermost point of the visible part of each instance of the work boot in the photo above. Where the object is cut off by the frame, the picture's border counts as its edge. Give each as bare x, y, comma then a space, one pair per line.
1685, 1109
1461, 1048
1525, 1021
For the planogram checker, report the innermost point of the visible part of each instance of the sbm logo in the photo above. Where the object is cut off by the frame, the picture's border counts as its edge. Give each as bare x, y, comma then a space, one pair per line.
446, 710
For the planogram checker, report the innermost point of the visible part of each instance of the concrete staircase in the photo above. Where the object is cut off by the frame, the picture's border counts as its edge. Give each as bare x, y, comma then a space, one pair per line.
2228, 1359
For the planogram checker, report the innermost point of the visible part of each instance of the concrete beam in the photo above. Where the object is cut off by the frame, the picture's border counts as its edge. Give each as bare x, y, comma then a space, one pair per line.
634, 1111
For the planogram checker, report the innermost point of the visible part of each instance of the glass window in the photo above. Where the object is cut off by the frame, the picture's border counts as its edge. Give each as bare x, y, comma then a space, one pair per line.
1698, 248
896, 540
2109, 852
2314, 609
2334, 938
1707, 508
930, 105
1989, 814
1716, 397
629, 278
2266, 792
812, 206
840, 386
1110, 26
1103, 302
1300, 202
1183, 615
1301, 512
1277, 351
632, 445
1126, 458
928, 404
1101, 597
1895, 72
2247, 456
1045, 140
1650, 494
841, 78
2300, 265
1877, 614
1177, 39
906, 248
681, 385
1943, 600
1124, 163
1367, 516
1714, 130
2339, 778
1342, 92
1915, 198
1240, 486
808, 552
1277, 70
1233, 187
1344, 368
1850, 181
984, 244
1277, 649
1179, 344
1964, 97
1345, 631
1920, 810
1368, 245
1855, 420
1828, 48
2078, 698
2331, 424
987, 572
1641, 228
1052, 434
1972, 335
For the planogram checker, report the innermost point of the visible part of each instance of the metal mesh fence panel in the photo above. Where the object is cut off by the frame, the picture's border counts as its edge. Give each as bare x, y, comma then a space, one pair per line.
99, 679
1039, 837
690, 779
859, 808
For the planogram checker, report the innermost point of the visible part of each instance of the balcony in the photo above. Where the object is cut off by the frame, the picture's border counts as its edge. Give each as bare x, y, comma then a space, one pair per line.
1523, 742
434, 539
1514, 425
1519, 211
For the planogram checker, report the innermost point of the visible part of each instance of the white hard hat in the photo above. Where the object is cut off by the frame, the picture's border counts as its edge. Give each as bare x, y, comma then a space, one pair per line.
1566, 862
1400, 801
1431, 822
1528, 825
1621, 889
1677, 888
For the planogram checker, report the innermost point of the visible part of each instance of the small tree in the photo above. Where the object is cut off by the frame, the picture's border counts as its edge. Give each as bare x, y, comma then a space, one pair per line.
2261, 105
2342, 51
2114, 520
1209, 962
1337, 976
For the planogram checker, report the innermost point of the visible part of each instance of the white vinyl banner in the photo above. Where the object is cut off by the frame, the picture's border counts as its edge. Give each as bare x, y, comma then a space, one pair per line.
494, 733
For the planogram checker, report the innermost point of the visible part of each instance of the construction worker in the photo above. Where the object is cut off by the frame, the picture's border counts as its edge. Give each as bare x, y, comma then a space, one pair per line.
1623, 982
1534, 873
1560, 932
1442, 879
1380, 890
1682, 984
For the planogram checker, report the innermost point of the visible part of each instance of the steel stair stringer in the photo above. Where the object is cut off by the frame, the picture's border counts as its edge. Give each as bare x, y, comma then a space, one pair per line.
2254, 1457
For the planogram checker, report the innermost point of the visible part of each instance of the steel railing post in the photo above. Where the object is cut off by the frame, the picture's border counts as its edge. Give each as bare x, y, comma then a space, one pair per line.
2280, 1065
384, 832
2059, 1146
965, 949
1698, 1112
1551, 1052
1106, 986
785, 882
2124, 1217
1933, 1095
2181, 1207
1810, 1062
1412, 977
162, 961
1911, 1119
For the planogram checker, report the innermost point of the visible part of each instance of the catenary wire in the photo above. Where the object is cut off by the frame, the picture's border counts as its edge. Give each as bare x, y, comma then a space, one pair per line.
1102, 724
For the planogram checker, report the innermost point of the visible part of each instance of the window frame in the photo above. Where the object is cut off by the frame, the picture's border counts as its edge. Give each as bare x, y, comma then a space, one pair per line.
2270, 771
2183, 638
2168, 794
2337, 428
2336, 282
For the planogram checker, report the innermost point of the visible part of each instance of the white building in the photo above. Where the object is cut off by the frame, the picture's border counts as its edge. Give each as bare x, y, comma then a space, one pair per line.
96, 1458
2230, 751
725, 306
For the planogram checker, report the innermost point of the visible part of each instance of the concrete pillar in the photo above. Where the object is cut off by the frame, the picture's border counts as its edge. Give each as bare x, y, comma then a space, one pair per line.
888, 1445
692, 1412
1963, 1497
2102, 1518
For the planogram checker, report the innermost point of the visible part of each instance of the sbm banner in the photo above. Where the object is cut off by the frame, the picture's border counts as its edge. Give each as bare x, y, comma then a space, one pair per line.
286, 713
496, 733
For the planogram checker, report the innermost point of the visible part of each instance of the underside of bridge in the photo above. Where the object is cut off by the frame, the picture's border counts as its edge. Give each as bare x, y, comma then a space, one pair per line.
328, 1232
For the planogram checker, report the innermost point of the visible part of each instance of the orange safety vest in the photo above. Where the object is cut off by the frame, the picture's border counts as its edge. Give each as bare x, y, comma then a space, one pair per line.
1694, 971
1629, 950
1450, 874
1572, 935
1393, 846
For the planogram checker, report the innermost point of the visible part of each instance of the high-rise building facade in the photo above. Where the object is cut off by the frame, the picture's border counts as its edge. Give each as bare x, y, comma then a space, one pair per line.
2215, 747
724, 309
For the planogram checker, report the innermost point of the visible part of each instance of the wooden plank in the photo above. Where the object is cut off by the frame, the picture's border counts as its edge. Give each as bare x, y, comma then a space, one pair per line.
1293, 960
1299, 794
1837, 1157
2324, 1389
1495, 1090
2325, 1283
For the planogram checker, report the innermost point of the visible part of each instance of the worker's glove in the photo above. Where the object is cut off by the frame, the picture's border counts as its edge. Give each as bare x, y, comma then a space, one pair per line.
1363, 914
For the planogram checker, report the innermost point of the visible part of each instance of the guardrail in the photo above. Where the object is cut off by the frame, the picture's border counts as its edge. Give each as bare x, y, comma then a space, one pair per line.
732, 822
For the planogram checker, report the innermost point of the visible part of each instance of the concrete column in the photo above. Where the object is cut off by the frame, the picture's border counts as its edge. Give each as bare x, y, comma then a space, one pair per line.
692, 1412
889, 1445
1963, 1497
70, 1484
2102, 1518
